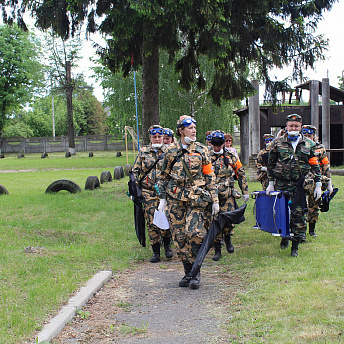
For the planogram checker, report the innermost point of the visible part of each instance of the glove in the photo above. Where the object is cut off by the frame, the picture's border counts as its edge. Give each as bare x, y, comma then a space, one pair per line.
317, 191
162, 205
263, 169
246, 197
215, 208
330, 187
270, 187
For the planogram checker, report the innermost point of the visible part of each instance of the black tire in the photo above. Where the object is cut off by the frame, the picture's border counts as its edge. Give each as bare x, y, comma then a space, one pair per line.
90, 154
68, 154
3, 190
127, 168
105, 177
44, 155
2, 156
21, 155
92, 182
63, 184
118, 154
118, 173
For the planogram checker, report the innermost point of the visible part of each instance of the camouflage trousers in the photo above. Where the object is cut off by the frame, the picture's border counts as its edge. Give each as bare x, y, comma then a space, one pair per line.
297, 223
265, 182
187, 225
226, 204
150, 204
313, 209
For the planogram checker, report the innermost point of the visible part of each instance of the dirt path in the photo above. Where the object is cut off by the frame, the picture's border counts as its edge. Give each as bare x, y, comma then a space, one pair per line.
147, 306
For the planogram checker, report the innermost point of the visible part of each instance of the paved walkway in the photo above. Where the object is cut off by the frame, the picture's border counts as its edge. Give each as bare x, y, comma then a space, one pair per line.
147, 306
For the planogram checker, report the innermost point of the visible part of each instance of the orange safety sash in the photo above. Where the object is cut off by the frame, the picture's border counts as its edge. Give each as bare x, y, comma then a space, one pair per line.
313, 161
324, 161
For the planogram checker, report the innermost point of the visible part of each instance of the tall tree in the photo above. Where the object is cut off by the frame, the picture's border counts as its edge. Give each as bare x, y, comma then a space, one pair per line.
20, 72
231, 34
62, 56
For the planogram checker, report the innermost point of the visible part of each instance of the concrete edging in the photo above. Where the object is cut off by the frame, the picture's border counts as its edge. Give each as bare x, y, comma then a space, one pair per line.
338, 172
67, 313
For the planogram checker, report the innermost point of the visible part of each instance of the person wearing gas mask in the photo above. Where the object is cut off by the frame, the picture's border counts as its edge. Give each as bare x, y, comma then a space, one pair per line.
187, 187
320, 152
292, 167
226, 165
262, 161
146, 169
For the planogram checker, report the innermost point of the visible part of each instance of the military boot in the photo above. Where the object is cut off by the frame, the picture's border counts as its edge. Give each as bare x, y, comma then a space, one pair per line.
294, 248
185, 281
284, 243
195, 281
156, 253
229, 245
167, 247
312, 229
217, 255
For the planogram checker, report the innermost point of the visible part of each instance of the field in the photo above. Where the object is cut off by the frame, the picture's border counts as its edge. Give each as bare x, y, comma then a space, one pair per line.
50, 244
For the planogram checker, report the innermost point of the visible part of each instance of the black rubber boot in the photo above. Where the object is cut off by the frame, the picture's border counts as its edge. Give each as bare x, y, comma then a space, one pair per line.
156, 253
195, 281
312, 229
229, 245
167, 247
217, 248
294, 248
284, 243
185, 281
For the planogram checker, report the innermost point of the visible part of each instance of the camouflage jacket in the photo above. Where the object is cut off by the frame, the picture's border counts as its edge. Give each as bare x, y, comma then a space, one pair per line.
174, 179
225, 174
284, 164
144, 160
320, 153
262, 161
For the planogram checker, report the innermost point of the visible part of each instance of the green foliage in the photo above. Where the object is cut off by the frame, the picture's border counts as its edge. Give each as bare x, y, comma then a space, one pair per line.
20, 71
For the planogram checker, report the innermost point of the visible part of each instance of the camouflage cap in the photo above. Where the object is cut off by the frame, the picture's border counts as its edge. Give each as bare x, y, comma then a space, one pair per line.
294, 117
184, 118
309, 128
168, 132
268, 136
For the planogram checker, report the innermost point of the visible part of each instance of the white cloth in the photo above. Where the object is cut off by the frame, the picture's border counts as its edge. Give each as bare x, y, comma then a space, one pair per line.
246, 198
160, 220
263, 169
162, 205
294, 143
215, 208
329, 186
270, 188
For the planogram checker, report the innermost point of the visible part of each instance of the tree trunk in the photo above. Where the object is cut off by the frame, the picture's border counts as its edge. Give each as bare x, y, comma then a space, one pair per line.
150, 90
69, 96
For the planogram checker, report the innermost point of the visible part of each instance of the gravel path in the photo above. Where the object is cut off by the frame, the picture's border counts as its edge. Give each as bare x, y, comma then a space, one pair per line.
146, 305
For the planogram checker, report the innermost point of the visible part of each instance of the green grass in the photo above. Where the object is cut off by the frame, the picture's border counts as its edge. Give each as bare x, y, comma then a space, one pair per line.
285, 299
279, 299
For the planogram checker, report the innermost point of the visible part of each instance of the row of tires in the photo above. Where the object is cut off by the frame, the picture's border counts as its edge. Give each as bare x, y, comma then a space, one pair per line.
92, 182
45, 154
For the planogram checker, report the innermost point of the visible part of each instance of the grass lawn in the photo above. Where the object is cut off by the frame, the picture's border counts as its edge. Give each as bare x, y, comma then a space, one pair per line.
282, 299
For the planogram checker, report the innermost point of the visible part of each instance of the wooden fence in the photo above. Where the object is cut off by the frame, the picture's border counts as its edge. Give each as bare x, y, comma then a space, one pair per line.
61, 144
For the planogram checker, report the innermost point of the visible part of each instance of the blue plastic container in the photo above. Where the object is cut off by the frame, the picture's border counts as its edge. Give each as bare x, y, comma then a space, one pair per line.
271, 213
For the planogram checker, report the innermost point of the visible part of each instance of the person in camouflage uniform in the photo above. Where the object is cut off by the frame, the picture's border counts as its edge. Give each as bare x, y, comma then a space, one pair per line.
168, 136
142, 169
320, 152
262, 161
187, 186
226, 165
292, 162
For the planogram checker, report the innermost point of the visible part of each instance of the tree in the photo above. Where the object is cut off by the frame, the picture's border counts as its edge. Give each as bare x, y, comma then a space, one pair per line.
20, 72
231, 34
62, 56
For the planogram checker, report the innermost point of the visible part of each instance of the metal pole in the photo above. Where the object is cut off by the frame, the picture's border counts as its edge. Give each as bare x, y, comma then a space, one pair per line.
137, 119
